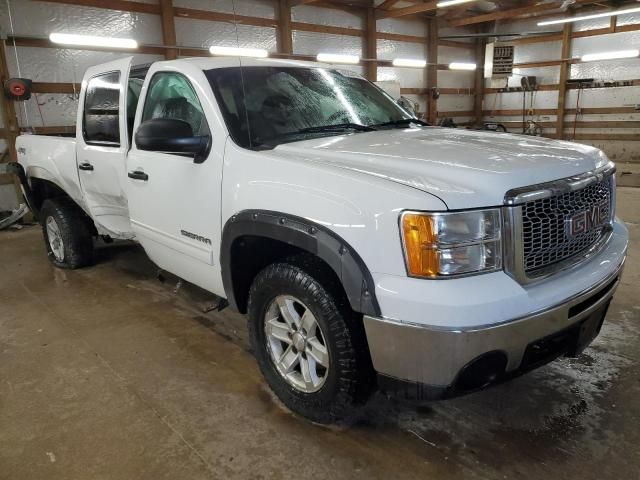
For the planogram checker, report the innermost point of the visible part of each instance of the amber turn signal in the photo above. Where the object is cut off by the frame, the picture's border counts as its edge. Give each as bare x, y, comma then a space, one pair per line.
420, 242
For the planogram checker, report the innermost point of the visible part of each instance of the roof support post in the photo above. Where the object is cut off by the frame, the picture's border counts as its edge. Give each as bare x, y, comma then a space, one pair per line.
432, 70
564, 74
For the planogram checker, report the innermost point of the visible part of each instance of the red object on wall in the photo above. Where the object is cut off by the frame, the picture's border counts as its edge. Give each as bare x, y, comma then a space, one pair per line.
18, 88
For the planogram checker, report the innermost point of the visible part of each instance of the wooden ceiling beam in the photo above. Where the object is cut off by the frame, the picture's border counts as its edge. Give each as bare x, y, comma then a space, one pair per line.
387, 4
295, 3
515, 13
502, 14
223, 17
411, 10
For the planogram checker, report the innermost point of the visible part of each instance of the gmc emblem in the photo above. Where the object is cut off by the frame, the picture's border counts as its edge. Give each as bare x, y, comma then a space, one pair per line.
586, 220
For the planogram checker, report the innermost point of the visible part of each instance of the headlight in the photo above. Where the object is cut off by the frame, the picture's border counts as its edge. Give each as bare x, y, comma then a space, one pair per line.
447, 244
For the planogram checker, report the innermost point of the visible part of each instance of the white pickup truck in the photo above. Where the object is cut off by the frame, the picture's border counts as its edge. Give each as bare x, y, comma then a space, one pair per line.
368, 249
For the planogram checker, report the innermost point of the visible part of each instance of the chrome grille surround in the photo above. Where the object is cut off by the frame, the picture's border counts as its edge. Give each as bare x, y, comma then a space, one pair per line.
536, 245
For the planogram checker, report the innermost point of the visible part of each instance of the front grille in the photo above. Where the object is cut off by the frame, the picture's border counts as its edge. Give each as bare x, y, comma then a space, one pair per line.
544, 235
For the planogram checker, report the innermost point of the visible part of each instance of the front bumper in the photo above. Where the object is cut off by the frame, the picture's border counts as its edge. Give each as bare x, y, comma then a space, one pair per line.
439, 360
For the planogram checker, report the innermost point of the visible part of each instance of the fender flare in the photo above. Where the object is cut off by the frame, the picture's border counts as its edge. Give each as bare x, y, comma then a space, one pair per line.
18, 171
307, 235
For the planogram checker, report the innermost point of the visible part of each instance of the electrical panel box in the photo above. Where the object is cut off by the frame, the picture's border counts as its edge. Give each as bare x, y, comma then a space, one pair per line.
498, 60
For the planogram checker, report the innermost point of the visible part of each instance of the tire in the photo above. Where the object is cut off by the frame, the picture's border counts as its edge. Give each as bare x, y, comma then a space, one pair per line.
348, 379
68, 234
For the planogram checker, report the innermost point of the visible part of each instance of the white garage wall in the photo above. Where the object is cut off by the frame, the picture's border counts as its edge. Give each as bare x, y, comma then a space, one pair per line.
325, 16
66, 65
390, 49
204, 33
61, 64
36, 18
627, 69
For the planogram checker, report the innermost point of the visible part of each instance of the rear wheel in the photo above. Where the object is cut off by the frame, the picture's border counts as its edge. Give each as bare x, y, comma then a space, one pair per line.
67, 233
309, 345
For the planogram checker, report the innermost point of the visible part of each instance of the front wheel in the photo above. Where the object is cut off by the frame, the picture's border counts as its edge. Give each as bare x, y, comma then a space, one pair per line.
309, 345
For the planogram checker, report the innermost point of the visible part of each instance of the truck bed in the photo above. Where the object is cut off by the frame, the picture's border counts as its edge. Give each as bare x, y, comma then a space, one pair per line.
51, 158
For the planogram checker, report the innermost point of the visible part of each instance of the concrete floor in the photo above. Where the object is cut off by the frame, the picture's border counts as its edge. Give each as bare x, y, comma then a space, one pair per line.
108, 373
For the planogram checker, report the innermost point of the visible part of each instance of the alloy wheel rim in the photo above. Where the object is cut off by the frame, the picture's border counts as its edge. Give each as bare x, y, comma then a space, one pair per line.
296, 344
55, 239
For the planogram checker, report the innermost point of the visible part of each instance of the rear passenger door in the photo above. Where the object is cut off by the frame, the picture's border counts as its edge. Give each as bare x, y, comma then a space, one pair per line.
101, 145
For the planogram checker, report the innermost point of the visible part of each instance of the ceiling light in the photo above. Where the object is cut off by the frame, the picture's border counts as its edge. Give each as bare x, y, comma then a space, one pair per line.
612, 13
462, 66
409, 62
336, 58
592, 57
238, 51
450, 3
91, 41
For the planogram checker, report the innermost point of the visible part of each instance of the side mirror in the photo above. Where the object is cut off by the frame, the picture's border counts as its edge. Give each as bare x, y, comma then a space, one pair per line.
172, 136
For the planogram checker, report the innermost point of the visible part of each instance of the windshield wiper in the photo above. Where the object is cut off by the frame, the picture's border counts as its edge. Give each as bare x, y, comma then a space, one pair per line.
338, 127
402, 123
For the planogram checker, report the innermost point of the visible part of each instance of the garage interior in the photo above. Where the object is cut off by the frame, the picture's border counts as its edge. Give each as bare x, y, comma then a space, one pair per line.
116, 372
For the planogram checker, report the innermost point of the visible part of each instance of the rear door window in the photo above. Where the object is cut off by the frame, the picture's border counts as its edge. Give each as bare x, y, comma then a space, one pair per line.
101, 110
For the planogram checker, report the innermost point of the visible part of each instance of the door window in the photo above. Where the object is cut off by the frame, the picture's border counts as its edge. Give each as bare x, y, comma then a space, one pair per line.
101, 110
172, 96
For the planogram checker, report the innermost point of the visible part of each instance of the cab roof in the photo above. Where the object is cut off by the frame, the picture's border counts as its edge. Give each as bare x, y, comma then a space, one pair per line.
208, 63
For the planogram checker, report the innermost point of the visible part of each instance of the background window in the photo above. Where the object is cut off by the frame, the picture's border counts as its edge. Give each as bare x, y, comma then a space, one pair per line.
101, 108
172, 96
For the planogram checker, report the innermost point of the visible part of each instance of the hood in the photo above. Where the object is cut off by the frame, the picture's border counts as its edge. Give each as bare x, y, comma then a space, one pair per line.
464, 168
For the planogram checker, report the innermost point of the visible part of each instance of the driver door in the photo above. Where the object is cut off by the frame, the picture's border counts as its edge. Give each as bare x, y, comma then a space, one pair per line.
174, 202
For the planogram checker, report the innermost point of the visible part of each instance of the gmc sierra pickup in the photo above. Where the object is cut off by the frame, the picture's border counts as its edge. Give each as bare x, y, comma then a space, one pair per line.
368, 249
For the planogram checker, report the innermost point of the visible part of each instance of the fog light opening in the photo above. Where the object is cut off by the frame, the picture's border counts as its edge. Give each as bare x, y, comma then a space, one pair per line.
481, 372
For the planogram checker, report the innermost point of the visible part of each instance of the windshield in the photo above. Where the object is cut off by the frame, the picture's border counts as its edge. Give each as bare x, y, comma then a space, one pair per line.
265, 106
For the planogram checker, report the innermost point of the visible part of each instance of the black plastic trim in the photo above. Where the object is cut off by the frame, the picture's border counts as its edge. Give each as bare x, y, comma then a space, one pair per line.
414, 391
306, 235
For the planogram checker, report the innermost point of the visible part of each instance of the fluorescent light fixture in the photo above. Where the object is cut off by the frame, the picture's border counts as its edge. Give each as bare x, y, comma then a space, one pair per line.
612, 13
91, 41
592, 57
336, 58
409, 62
238, 51
450, 3
462, 66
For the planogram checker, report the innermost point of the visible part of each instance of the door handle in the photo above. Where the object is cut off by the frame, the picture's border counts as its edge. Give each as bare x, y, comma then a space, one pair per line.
85, 166
138, 175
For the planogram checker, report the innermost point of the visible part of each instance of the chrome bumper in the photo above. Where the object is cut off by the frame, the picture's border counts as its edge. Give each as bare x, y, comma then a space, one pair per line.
436, 356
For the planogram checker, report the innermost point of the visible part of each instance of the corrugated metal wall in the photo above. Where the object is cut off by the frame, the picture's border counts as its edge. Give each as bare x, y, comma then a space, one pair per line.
39, 19
611, 70
66, 65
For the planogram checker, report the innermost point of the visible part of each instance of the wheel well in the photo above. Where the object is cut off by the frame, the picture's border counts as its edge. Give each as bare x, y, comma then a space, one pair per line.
266, 236
42, 190
250, 254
